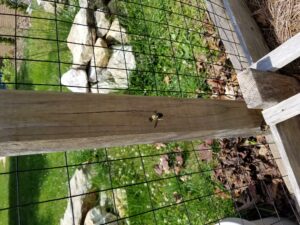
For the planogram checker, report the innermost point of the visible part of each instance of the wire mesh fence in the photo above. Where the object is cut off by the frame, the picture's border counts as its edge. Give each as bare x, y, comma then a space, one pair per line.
139, 47
177, 183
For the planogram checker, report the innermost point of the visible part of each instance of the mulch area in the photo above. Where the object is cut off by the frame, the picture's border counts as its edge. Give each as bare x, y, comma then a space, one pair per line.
249, 171
279, 20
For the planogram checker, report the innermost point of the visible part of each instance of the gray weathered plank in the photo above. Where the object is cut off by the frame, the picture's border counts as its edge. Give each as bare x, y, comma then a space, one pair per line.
35, 122
250, 33
284, 122
239, 58
265, 89
281, 56
289, 132
286, 137
283, 111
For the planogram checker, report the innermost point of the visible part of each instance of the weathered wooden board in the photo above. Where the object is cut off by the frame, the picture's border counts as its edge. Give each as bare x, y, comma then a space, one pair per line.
237, 54
262, 90
34, 122
284, 122
289, 132
249, 32
283, 111
281, 56
238, 31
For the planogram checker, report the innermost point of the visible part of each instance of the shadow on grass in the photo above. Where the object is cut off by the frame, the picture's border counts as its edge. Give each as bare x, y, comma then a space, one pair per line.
29, 191
24, 82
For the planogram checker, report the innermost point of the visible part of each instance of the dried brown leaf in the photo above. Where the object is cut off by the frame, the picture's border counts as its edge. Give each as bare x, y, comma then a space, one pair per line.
159, 145
177, 197
221, 194
205, 155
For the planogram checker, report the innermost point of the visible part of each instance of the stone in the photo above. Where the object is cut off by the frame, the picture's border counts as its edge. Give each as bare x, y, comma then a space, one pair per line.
92, 4
80, 183
106, 83
113, 7
49, 6
98, 215
120, 65
117, 33
121, 202
100, 75
81, 38
101, 54
75, 80
102, 23
3, 161
83, 3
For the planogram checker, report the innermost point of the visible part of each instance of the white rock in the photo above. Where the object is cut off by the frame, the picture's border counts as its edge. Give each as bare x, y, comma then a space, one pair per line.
91, 4
79, 184
102, 23
49, 6
117, 74
100, 75
81, 39
121, 202
229, 92
117, 33
83, 3
3, 161
94, 74
113, 7
97, 216
100, 54
120, 65
106, 83
75, 80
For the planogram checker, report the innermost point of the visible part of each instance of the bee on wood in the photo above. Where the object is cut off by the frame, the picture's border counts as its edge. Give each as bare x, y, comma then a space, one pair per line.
156, 116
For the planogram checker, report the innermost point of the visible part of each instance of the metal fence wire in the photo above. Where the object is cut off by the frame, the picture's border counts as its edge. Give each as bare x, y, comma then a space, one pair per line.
137, 47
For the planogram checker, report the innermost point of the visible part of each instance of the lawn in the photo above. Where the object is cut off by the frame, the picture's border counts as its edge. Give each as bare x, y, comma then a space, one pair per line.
166, 36
130, 168
167, 39
165, 52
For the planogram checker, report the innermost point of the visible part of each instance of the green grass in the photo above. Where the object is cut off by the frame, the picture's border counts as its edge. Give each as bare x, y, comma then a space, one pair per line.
165, 48
166, 45
144, 189
46, 58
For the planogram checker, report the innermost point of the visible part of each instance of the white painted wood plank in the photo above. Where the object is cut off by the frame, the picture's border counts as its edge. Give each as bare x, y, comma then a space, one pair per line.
286, 161
283, 111
281, 56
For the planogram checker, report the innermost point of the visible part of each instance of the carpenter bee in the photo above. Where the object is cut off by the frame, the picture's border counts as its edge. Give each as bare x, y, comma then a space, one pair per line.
156, 116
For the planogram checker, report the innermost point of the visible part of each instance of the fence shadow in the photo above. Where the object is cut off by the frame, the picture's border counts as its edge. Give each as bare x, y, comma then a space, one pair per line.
25, 189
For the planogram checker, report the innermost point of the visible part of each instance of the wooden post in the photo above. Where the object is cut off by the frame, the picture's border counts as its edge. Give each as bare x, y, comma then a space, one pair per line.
249, 34
36, 122
265, 89
284, 122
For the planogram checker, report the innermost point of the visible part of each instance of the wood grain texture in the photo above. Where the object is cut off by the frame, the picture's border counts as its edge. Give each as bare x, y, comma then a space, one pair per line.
32, 122
283, 111
236, 53
284, 122
281, 56
248, 29
289, 132
262, 90
286, 136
